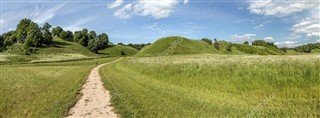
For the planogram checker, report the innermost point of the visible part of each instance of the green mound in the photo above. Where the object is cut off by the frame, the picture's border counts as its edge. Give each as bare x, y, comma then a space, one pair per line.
62, 46
60, 50
119, 50
259, 50
177, 45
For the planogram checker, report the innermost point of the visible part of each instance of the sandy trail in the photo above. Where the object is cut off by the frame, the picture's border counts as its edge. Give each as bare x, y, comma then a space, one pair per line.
95, 102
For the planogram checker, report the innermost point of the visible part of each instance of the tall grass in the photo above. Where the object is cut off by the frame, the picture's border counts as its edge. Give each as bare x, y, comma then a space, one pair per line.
216, 86
42, 90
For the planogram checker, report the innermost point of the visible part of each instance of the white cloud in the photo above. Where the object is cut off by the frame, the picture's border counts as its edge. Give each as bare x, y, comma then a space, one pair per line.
42, 15
280, 8
258, 26
155, 27
286, 44
261, 25
115, 4
268, 39
124, 12
155, 9
77, 25
189, 28
310, 27
2, 22
151, 8
185, 1
242, 38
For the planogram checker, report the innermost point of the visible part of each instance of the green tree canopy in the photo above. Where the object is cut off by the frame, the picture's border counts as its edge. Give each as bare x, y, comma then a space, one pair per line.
34, 36
246, 43
56, 31
63, 34
207, 40
47, 36
22, 29
92, 34
69, 36
77, 36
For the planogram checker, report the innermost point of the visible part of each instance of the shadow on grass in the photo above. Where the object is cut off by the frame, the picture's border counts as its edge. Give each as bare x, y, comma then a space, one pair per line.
58, 44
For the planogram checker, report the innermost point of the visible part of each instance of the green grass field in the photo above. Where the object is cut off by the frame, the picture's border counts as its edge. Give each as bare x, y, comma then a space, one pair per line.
215, 86
42, 90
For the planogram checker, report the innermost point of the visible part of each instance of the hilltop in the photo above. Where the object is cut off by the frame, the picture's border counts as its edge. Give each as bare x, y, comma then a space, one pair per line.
177, 45
181, 45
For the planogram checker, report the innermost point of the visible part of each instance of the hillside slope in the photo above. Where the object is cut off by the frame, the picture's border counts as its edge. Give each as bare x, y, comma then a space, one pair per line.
119, 50
59, 51
177, 45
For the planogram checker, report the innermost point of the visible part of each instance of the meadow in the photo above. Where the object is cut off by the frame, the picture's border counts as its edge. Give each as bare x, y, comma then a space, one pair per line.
210, 85
42, 89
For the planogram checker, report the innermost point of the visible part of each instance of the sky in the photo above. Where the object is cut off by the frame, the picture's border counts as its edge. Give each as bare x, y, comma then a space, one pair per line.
287, 23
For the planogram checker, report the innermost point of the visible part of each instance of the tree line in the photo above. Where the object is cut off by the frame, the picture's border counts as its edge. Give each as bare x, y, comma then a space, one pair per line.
307, 48
136, 46
30, 34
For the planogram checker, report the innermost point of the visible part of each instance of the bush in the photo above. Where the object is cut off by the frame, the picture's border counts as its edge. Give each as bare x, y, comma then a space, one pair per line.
207, 40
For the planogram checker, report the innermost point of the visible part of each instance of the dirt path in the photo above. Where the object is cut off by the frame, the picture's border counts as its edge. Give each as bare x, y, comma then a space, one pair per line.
95, 102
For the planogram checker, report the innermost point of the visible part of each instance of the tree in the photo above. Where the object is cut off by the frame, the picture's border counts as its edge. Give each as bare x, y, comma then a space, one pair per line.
34, 36
84, 31
98, 43
229, 48
303, 48
47, 36
63, 35
216, 44
69, 36
92, 34
103, 40
263, 43
6, 38
1, 41
207, 40
84, 38
138, 46
77, 36
246, 43
123, 53
10, 40
56, 31
22, 29
103, 36
93, 45
121, 44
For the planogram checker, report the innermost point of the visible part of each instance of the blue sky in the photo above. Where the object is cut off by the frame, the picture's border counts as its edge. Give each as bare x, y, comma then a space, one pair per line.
287, 23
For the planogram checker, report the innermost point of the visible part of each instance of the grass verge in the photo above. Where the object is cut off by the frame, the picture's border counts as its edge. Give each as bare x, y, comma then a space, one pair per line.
44, 89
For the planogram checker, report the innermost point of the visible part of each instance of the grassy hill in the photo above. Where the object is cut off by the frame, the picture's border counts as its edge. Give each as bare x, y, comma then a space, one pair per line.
119, 50
59, 51
177, 45
180, 45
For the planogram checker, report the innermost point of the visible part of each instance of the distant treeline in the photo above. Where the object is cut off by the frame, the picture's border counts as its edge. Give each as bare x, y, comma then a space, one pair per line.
307, 48
245, 47
136, 46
